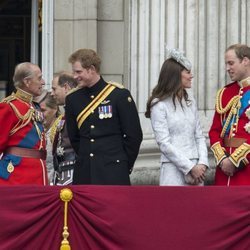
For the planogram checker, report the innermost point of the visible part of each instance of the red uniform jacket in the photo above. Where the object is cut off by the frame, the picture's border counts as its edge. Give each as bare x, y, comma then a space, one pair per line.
230, 132
21, 126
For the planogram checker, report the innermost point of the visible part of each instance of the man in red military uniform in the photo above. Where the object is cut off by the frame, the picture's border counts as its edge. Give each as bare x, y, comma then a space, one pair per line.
22, 140
230, 130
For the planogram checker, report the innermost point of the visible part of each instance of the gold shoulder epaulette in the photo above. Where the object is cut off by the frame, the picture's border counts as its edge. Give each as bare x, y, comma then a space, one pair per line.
116, 84
219, 152
73, 90
240, 154
9, 98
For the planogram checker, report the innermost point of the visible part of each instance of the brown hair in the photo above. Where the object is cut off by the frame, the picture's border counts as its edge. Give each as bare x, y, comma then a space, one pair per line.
66, 77
87, 58
169, 84
241, 50
50, 102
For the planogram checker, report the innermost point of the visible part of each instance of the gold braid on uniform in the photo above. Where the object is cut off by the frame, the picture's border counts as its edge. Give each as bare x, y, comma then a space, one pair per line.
233, 105
53, 128
240, 154
23, 120
219, 152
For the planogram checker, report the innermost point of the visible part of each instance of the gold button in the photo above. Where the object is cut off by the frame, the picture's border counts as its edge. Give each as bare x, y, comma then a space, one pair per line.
10, 167
92, 97
92, 111
92, 126
91, 155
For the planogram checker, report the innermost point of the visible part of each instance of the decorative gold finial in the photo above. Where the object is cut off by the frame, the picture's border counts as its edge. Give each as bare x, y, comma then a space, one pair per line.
66, 195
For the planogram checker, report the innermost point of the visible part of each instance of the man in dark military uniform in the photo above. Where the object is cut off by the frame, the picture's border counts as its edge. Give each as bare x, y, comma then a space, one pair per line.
103, 125
63, 153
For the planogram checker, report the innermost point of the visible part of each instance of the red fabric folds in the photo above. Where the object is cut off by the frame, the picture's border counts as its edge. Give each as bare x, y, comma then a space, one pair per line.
119, 217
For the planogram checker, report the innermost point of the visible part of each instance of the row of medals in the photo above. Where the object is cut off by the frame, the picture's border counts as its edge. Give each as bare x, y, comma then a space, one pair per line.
105, 112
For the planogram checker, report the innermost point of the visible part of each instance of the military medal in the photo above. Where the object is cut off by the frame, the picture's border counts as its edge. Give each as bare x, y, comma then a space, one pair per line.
105, 112
60, 124
10, 167
38, 116
101, 113
109, 111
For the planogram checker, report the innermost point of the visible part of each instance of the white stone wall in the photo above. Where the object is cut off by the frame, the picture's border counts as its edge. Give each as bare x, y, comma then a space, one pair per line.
201, 28
75, 27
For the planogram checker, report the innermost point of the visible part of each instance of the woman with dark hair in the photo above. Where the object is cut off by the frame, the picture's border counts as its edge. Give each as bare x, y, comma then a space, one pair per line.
175, 122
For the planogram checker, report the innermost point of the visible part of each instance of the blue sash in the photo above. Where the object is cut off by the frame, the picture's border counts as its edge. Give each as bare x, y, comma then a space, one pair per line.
244, 104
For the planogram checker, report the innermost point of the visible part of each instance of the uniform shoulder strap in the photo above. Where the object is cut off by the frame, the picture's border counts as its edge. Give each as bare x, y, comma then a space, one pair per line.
73, 90
116, 84
9, 98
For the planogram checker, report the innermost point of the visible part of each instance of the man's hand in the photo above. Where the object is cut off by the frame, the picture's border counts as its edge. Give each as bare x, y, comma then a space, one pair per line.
228, 167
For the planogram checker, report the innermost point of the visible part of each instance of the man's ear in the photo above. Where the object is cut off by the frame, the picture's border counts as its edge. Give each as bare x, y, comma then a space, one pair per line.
66, 87
26, 82
246, 61
92, 68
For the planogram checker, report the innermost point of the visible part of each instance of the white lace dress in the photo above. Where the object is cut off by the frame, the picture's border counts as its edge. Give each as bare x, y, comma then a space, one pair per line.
180, 138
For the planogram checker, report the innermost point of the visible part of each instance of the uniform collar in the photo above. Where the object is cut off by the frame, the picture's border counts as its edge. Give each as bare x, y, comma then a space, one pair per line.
97, 87
245, 82
23, 95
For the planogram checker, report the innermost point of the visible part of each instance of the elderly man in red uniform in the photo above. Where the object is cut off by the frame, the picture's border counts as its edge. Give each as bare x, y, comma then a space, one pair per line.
22, 140
230, 131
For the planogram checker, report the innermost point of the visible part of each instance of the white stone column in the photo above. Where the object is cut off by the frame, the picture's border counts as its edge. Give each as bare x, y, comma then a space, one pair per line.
147, 32
47, 41
34, 45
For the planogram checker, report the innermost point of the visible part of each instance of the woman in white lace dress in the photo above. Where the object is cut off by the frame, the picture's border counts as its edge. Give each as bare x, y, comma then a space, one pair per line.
175, 122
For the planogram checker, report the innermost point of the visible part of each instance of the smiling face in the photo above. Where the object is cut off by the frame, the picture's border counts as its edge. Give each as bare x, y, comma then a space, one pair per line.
236, 68
186, 78
82, 75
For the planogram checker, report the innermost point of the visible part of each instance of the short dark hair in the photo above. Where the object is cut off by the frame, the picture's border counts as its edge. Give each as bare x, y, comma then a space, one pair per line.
87, 58
64, 78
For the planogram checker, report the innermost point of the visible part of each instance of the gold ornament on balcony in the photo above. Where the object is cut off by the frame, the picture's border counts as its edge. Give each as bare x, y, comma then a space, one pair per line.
66, 195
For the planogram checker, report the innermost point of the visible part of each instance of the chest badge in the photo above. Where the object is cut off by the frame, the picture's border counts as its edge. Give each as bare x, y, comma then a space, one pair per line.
105, 112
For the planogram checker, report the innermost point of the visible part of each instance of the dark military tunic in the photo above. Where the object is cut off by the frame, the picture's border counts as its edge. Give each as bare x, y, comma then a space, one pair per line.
108, 141
63, 154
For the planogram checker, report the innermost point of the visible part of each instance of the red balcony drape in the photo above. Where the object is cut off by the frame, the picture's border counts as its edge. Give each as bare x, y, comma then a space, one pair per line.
130, 218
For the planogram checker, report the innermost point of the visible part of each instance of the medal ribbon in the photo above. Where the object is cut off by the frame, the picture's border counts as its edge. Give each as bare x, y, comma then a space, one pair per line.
94, 104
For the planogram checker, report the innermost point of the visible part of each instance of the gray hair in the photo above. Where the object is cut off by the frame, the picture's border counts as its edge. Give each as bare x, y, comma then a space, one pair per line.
22, 71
